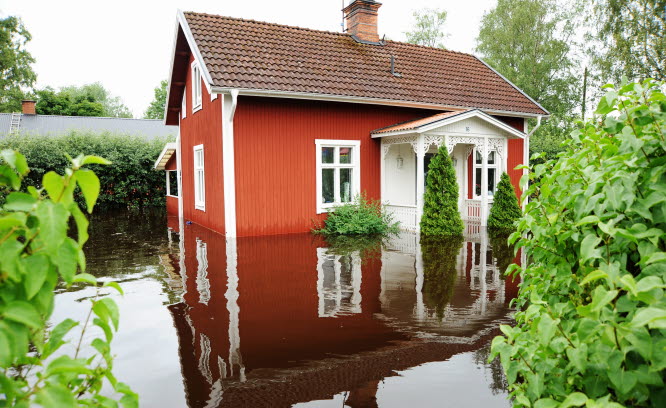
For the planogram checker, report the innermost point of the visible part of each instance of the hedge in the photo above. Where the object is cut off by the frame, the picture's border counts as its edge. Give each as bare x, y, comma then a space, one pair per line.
129, 182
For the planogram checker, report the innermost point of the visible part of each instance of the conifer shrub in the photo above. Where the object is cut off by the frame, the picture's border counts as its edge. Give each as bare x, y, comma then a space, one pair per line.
592, 326
440, 201
505, 210
360, 217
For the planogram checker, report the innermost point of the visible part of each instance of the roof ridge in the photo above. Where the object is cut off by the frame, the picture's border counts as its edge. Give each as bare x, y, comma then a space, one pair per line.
322, 31
87, 117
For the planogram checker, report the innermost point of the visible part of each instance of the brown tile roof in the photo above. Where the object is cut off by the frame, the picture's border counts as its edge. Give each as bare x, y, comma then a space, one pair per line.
254, 55
413, 124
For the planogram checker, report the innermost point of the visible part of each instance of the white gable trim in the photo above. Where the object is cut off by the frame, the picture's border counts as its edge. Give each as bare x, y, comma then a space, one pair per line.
208, 80
453, 119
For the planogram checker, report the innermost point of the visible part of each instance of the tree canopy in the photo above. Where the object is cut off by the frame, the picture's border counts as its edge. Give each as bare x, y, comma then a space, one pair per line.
156, 108
16, 74
427, 29
87, 100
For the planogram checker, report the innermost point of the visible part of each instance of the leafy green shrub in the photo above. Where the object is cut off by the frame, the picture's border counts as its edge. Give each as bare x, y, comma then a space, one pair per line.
505, 210
361, 217
130, 182
439, 255
593, 326
36, 251
440, 201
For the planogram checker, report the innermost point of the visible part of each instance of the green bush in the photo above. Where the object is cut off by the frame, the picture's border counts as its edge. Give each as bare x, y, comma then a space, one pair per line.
37, 251
361, 217
592, 329
130, 182
505, 210
440, 201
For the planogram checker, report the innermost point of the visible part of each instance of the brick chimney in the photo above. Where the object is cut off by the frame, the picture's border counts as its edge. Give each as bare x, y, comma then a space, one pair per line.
28, 107
361, 19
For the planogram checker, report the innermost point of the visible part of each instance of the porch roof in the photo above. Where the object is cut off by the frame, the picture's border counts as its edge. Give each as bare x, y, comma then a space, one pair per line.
442, 119
163, 159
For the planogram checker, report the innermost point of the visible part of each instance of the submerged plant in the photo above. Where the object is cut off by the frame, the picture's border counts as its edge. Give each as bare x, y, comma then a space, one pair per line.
37, 252
440, 201
592, 330
360, 217
505, 210
439, 256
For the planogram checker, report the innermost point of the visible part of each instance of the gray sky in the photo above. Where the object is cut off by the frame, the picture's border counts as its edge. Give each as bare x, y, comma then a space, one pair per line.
126, 44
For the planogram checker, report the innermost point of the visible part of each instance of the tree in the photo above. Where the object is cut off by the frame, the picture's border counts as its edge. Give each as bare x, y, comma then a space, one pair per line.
156, 108
112, 105
16, 74
87, 100
428, 28
530, 43
631, 39
440, 201
505, 210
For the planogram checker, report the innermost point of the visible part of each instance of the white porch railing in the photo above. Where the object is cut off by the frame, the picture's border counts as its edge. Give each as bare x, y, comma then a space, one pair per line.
471, 210
405, 215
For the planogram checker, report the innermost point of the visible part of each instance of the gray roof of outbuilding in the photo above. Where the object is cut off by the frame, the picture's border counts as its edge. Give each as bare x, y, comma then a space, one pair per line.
57, 125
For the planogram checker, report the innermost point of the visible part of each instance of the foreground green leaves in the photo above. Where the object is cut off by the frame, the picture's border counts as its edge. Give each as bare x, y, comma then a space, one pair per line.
36, 252
592, 326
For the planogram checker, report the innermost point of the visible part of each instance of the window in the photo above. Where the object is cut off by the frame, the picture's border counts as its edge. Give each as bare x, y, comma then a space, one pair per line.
172, 183
338, 172
493, 170
196, 87
338, 283
199, 179
183, 107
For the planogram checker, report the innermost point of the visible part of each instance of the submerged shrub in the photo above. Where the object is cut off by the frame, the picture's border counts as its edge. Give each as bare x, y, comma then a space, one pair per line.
440, 201
360, 217
505, 210
130, 183
592, 330
37, 252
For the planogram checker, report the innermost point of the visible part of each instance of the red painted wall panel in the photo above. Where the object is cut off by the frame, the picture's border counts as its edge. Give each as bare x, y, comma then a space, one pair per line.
172, 164
203, 127
275, 157
172, 205
515, 158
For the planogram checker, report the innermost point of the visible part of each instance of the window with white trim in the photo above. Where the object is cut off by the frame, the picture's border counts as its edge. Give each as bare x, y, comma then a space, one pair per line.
493, 172
199, 179
338, 172
196, 87
172, 183
183, 106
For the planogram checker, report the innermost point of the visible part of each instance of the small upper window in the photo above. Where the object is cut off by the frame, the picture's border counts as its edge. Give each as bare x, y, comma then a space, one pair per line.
196, 87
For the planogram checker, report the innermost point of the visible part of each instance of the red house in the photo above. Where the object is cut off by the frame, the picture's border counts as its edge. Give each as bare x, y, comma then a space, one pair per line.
278, 124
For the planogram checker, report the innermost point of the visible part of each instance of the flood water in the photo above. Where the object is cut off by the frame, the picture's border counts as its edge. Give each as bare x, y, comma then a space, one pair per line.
294, 320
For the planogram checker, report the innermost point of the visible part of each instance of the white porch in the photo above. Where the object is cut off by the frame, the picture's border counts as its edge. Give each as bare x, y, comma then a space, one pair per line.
407, 149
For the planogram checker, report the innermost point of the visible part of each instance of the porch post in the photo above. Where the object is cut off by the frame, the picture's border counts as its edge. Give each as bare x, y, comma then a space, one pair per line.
420, 154
484, 183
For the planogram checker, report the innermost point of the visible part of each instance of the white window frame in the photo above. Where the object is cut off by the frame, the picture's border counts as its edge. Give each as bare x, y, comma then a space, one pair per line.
183, 106
196, 87
355, 165
199, 204
168, 182
496, 166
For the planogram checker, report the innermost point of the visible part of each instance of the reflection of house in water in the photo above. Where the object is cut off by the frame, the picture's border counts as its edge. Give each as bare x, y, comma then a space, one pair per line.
275, 320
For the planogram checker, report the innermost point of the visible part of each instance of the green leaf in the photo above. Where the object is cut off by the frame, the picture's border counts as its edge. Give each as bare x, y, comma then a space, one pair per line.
594, 275
588, 248
66, 364
575, 399
114, 285
20, 202
649, 316
546, 329
81, 225
23, 312
623, 380
56, 336
36, 268
55, 396
66, 259
5, 349
89, 185
52, 224
54, 185
85, 277
94, 160
106, 308
108, 333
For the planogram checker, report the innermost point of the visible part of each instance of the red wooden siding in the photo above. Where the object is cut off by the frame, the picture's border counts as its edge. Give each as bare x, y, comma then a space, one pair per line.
172, 205
172, 164
203, 127
275, 157
515, 158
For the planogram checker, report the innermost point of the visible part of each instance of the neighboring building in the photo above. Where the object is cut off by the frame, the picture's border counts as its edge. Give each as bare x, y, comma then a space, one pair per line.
29, 123
278, 124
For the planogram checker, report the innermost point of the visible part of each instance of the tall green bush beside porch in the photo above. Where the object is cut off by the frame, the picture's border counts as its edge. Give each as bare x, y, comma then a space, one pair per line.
440, 201
505, 210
